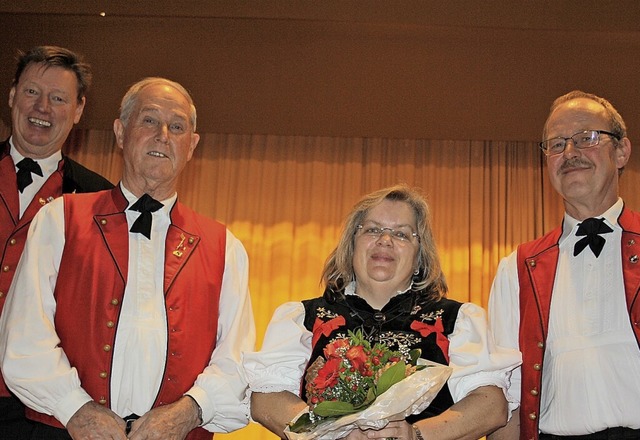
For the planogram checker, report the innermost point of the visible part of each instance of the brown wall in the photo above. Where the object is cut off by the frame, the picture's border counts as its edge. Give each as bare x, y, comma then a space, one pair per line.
395, 69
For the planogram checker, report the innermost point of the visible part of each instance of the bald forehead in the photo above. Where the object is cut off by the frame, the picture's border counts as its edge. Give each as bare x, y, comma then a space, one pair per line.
163, 96
581, 104
164, 90
580, 111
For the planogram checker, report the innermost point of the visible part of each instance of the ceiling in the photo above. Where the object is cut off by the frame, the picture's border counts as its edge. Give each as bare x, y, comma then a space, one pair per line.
600, 15
456, 69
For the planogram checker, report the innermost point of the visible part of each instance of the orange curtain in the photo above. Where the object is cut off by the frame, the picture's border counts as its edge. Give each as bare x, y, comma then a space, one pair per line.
285, 197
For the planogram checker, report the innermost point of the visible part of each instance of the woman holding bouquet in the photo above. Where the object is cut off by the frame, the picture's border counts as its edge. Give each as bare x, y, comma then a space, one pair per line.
385, 285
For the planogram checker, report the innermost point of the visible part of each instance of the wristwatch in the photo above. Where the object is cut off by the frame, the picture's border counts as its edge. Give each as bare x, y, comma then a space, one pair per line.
418, 433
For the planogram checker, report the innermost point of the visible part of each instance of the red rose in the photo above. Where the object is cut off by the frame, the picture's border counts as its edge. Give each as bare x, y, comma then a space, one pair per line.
357, 357
333, 350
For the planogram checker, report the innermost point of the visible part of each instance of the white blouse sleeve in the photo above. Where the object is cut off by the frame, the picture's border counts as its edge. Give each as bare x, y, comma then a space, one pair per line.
475, 358
286, 349
504, 313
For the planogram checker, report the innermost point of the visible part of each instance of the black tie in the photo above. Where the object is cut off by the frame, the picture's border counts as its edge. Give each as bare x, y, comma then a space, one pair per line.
590, 228
145, 205
25, 167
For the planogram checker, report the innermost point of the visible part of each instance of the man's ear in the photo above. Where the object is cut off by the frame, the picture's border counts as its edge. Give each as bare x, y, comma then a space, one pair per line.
12, 93
195, 137
623, 152
79, 110
118, 130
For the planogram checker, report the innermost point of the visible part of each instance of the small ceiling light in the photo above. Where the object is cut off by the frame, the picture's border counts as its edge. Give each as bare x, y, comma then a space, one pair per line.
103, 14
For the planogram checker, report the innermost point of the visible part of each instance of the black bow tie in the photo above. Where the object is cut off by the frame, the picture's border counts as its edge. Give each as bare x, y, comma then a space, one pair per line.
25, 167
590, 228
145, 205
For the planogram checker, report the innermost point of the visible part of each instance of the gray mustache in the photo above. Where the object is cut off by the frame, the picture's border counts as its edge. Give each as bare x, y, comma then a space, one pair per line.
575, 162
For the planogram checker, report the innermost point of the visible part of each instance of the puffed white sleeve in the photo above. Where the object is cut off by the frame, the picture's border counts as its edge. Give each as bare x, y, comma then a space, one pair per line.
504, 314
280, 364
475, 358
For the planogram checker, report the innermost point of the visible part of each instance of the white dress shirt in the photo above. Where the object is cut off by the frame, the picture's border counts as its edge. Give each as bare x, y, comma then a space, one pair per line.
591, 369
39, 372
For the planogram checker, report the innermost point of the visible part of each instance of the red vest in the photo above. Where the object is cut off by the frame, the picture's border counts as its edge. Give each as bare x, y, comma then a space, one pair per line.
13, 231
90, 289
537, 263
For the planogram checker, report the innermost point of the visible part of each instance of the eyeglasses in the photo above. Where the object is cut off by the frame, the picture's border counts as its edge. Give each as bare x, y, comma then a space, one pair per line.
404, 235
581, 140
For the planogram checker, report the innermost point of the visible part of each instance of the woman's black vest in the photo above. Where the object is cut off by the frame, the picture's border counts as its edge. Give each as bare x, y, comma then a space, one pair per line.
409, 320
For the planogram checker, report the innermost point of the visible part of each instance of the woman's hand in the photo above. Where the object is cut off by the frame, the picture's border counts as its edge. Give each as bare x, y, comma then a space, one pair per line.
394, 430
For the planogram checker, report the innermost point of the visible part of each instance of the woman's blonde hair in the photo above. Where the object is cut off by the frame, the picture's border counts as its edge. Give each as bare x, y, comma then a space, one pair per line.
338, 269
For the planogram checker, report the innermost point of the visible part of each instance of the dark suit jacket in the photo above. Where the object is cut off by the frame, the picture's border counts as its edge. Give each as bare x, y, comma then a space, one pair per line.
76, 177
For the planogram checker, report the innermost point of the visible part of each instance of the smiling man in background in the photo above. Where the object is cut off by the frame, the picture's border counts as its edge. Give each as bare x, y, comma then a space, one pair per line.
47, 99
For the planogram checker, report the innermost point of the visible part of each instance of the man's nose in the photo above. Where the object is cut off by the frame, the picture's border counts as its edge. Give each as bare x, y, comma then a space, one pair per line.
163, 133
570, 149
42, 104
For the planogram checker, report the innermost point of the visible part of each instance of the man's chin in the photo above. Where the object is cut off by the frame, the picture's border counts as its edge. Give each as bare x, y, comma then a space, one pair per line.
36, 145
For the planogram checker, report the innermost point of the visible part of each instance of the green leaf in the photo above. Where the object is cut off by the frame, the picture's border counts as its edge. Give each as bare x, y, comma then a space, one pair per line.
334, 409
357, 338
303, 424
414, 355
390, 377
371, 396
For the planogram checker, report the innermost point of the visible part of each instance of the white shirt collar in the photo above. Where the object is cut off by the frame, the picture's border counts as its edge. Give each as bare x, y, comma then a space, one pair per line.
167, 203
48, 164
611, 215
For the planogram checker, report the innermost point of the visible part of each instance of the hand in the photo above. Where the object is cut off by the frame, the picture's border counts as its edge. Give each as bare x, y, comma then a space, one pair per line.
96, 422
394, 430
167, 422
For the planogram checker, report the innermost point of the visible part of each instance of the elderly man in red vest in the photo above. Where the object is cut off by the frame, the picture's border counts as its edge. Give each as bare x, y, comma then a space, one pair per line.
569, 300
129, 310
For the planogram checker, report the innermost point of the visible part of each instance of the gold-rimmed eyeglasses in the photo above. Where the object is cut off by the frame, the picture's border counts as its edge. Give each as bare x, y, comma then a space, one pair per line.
402, 234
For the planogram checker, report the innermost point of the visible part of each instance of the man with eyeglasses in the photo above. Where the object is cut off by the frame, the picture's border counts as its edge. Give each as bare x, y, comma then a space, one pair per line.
569, 300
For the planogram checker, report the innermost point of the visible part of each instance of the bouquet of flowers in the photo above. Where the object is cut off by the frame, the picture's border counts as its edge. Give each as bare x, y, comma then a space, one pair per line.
359, 385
